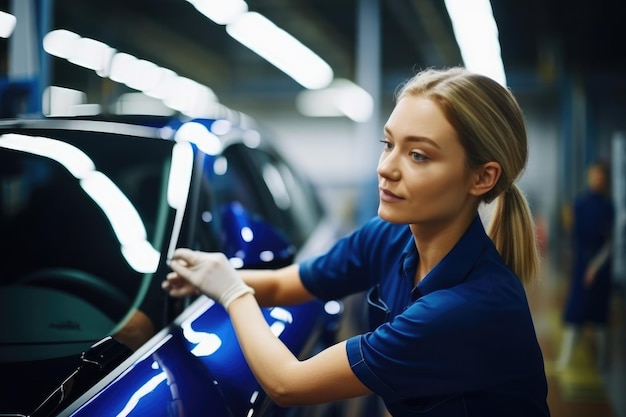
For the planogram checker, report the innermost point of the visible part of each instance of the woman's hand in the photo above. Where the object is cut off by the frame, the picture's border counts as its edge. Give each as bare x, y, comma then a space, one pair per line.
590, 275
210, 273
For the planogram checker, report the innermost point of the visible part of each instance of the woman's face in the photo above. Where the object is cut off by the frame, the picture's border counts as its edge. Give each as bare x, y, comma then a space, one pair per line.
596, 179
422, 174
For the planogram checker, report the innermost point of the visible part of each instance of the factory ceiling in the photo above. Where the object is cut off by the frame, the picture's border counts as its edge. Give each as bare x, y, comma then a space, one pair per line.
539, 39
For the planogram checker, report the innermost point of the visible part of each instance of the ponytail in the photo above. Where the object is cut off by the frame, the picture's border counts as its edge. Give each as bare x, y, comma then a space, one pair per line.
512, 230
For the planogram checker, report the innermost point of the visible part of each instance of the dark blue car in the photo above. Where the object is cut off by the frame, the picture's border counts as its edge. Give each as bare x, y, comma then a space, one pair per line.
91, 210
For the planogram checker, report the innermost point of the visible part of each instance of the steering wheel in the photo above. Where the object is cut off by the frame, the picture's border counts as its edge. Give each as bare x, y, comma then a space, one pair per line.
94, 290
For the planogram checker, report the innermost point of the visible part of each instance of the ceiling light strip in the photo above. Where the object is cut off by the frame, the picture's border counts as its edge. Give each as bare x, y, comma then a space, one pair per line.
476, 34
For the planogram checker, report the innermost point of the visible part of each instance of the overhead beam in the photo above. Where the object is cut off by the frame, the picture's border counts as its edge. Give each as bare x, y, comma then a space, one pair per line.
426, 27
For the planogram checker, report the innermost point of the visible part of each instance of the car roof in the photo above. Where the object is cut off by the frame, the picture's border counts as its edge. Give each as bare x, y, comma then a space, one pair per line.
125, 126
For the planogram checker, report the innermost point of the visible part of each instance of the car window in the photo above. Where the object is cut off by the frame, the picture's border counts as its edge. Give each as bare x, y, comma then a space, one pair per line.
266, 186
58, 218
57, 225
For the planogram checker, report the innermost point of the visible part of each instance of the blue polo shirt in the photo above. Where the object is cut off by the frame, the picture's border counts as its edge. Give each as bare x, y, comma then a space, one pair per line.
460, 343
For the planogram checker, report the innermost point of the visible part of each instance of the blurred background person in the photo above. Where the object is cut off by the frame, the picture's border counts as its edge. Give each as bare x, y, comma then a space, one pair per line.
588, 300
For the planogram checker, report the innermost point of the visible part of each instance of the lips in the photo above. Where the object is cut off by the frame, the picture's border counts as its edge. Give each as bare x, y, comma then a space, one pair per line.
388, 196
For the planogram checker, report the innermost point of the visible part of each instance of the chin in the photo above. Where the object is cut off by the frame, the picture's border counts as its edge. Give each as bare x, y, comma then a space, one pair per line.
389, 216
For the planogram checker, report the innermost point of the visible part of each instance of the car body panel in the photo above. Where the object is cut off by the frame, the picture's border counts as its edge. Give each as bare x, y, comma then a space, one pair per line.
212, 365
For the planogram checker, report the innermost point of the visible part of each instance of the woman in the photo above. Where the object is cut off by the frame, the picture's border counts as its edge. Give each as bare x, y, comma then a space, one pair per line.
451, 331
589, 297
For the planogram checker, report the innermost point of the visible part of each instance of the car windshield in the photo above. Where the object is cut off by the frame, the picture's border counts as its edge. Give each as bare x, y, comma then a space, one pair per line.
81, 233
54, 217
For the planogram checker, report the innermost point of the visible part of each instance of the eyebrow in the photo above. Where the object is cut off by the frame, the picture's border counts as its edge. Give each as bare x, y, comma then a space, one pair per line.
415, 138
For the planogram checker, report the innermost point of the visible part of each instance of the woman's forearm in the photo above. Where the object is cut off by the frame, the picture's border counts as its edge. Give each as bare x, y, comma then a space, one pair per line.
287, 380
601, 257
276, 287
263, 351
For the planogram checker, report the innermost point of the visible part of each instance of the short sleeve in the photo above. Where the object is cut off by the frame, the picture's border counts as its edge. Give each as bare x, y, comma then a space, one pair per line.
351, 265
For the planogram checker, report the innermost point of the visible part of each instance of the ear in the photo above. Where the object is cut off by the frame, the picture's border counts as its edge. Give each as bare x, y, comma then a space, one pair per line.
485, 178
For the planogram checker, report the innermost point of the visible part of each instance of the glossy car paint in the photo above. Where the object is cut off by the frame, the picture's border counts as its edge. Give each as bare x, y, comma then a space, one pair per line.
196, 368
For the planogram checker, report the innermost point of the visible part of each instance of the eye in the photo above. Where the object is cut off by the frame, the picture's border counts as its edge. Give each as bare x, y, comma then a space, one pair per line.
416, 156
386, 144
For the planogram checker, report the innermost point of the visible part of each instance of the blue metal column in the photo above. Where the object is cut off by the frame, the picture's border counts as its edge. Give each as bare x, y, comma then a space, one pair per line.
618, 174
368, 76
28, 71
574, 137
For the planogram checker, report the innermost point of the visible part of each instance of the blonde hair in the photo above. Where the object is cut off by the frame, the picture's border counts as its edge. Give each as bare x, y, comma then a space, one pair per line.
490, 126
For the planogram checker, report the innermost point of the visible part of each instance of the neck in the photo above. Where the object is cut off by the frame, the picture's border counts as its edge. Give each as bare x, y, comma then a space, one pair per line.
434, 240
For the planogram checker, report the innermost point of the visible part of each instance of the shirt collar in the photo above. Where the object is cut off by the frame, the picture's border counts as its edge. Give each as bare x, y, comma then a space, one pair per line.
453, 268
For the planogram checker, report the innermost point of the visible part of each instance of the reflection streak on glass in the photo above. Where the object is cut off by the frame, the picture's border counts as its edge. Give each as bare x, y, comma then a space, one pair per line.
122, 215
277, 186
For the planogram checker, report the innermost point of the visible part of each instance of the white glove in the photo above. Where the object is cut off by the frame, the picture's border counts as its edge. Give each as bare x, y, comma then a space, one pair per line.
211, 273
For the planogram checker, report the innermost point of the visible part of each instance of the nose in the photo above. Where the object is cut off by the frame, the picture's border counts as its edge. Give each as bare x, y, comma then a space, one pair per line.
387, 166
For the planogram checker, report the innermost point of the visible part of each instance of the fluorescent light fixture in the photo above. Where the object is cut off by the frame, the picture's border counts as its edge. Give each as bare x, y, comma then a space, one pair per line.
341, 98
221, 12
189, 97
164, 86
87, 109
281, 49
60, 43
476, 33
7, 24
317, 103
59, 101
139, 103
92, 54
137, 74
125, 69
178, 93
85, 52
